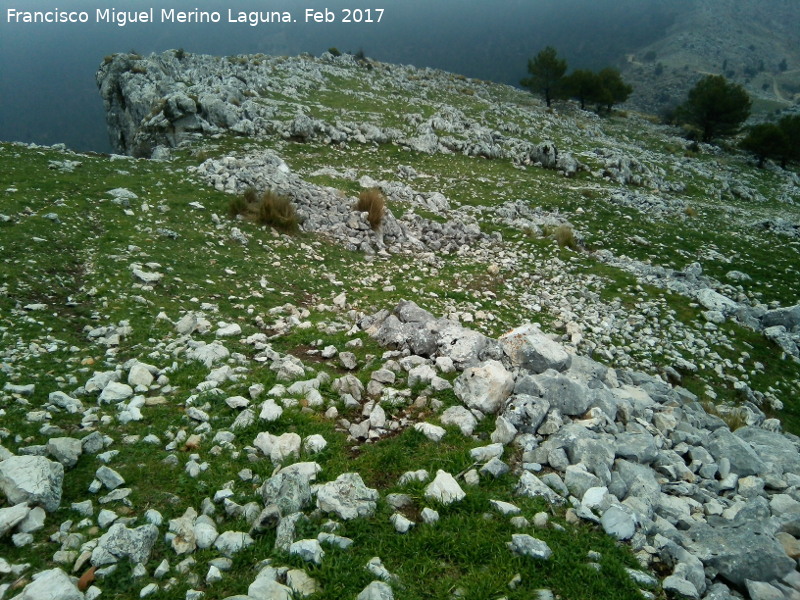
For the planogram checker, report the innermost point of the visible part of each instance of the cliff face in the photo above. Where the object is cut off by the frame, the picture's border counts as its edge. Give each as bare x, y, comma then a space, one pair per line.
160, 99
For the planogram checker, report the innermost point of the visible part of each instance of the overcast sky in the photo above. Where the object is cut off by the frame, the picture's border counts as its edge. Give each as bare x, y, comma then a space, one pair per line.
47, 71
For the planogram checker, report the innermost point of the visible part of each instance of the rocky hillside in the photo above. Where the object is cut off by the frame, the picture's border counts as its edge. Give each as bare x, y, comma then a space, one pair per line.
564, 364
752, 43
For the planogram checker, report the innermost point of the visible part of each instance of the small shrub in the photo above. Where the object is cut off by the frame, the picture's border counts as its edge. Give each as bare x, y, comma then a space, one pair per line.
251, 196
334, 51
237, 206
372, 202
690, 211
137, 70
277, 211
180, 53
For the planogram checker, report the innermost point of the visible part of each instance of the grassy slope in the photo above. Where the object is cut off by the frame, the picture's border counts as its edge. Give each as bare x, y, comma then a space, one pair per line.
80, 269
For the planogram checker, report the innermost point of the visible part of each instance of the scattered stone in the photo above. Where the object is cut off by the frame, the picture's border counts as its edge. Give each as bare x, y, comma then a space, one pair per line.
231, 542
430, 431
308, 550
377, 590
120, 543
51, 584
525, 545
444, 488
65, 450
528, 348
484, 387
429, 516
347, 497
32, 480
401, 523
532, 487
460, 417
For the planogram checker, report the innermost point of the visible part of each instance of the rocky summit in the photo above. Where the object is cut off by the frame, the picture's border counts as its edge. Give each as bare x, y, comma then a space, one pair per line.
558, 357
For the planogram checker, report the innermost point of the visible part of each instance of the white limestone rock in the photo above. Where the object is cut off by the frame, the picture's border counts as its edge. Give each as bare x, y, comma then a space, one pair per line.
485, 387
32, 480
444, 488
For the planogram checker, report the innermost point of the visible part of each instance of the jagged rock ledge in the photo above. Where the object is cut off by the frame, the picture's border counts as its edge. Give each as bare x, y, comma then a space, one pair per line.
162, 100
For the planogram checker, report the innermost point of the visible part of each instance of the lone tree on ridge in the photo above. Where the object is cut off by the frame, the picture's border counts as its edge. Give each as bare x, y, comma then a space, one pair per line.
547, 71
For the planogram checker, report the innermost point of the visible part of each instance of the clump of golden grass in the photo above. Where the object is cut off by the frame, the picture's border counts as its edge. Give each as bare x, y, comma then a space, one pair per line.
268, 208
372, 202
277, 211
563, 235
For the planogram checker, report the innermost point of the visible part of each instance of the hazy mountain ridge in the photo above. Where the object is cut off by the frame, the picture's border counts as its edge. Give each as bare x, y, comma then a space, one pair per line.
744, 40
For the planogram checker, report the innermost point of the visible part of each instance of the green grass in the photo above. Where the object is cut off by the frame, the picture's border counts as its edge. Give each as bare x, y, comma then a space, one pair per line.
81, 270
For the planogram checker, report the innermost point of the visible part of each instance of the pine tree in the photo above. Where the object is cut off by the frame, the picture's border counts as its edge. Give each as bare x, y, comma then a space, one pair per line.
716, 107
547, 72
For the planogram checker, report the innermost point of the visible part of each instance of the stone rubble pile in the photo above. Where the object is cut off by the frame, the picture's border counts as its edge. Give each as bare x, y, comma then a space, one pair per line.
721, 300
325, 210
625, 450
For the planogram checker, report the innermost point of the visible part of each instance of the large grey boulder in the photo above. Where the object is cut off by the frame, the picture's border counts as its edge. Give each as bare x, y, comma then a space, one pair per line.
528, 348
715, 301
570, 397
597, 455
526, 413
484, 387
32, 479
54, 584
788, 317
639, 482
639, 447
119, 543
65, 450
772, 448
463, 346
618, 523
743, 459
740, 551
347, 497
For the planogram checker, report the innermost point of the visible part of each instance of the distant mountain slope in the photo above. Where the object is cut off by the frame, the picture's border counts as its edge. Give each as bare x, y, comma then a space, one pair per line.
753, 43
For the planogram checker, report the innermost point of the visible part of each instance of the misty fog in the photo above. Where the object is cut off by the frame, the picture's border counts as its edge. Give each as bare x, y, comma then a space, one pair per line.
47, 71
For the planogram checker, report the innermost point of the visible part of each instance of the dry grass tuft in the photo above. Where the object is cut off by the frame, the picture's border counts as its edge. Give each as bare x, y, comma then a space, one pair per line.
268, 208
690, 211
277, 211
372, 202
237, 206
734, 416
563, 235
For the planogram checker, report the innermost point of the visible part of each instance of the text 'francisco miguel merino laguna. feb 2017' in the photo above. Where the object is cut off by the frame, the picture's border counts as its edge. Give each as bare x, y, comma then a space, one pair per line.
123, 18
